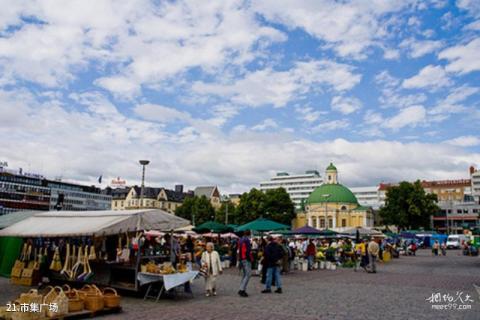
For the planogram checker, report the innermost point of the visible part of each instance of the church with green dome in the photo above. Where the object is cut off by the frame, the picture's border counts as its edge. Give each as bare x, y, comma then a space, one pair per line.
334, 206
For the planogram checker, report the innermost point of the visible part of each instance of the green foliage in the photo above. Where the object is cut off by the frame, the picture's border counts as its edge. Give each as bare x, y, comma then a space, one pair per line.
221, 212
408, 206
196, 209
274, 204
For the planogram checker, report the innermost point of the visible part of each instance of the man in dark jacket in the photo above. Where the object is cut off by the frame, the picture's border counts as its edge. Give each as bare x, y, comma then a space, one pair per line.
273, 256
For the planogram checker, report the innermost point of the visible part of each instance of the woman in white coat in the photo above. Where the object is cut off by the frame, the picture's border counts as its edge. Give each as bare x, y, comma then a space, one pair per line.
213, 267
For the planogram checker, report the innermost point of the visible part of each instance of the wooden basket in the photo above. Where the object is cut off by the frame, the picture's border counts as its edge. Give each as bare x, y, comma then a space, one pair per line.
111, 298
92, 297
16, 272
74, 302
58, 297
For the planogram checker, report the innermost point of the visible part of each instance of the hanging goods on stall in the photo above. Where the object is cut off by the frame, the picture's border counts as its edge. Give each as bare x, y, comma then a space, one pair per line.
17, 269
57, 297
56, 264
19, 263
111, 298
93, 297
92, 255
78, 263
123, 254
67, 266
83, 263
87, 270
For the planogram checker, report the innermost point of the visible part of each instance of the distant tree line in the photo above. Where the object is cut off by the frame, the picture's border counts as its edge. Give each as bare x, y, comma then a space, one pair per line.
274, 204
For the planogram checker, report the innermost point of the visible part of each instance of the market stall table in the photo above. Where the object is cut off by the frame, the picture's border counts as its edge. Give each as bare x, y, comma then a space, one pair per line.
167, 281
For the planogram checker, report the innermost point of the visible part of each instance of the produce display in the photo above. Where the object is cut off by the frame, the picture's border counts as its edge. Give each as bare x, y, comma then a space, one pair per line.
163, 268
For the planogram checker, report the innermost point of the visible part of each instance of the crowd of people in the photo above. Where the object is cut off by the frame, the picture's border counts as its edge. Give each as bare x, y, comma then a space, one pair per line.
273, 256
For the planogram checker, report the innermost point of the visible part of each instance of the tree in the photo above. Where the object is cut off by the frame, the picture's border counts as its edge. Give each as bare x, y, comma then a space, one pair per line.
274, 204
222, 211
408, 206
251, 206
278, 206
196, 209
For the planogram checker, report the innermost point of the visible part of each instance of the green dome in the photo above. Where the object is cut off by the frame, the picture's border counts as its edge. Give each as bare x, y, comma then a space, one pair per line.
337, 192
331, 167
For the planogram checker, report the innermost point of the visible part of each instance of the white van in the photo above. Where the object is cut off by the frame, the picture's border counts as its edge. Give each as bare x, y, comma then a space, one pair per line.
454, 241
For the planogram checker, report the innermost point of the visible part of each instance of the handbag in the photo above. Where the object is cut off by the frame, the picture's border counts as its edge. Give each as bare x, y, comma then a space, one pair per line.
56, 297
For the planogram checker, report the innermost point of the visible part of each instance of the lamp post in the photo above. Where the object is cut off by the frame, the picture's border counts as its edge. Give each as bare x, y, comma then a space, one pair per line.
143, 163
326, 196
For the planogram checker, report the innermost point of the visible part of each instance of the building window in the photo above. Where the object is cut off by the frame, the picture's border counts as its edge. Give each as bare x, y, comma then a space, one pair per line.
344, 208
322, 223
330, 223
344, 222
314, 223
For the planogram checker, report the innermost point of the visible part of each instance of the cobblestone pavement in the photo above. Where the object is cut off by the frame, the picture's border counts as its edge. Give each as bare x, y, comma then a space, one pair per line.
398, 291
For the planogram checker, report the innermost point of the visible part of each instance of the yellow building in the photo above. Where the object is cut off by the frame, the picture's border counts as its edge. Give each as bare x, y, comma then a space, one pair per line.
333, 205
153, 198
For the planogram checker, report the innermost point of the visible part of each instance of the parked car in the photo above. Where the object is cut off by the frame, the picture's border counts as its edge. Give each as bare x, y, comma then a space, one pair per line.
455, 241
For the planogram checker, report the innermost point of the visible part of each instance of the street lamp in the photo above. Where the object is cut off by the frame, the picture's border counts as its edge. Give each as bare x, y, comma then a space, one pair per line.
326, 196
143, 163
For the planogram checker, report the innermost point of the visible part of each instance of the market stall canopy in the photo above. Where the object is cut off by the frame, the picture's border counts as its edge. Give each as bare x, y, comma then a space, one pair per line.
362, 231
93, 223
328, 233
229, 235
306, 230
212, 226
9, 219
262, 224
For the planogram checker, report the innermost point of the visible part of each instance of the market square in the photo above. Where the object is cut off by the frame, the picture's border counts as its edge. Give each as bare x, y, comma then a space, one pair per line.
239, 159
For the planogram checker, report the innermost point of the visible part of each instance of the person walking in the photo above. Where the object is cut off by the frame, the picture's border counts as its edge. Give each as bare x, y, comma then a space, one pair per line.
245, 259
311, 252
273, 256
373, 250
211, 262
443, 247
435, 248
361, 252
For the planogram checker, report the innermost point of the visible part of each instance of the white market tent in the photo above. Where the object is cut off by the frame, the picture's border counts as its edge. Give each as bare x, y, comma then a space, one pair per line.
93, 223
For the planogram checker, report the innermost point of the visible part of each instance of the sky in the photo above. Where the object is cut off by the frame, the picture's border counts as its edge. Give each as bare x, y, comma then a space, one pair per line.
230, 92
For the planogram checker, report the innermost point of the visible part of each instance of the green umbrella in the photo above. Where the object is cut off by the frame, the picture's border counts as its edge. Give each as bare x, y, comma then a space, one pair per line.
212, 226
262, 225
327, 233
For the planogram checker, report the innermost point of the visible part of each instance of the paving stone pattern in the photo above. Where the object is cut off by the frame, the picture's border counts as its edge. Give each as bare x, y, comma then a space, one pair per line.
398, 291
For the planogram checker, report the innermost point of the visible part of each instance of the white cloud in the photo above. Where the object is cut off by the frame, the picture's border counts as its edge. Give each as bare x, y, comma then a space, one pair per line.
410, 116
453, 102
372, 117
429, 77
143, 42
43, 133
266, 124
419, 48
330, 126
158, 113
309, 114
472, 6
465, 141
267, 86
475, 25
462, 58
350, 28
345, 105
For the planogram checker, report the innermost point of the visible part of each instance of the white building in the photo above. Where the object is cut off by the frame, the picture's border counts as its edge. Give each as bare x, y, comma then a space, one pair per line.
298, 186
475, 179
369, 196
